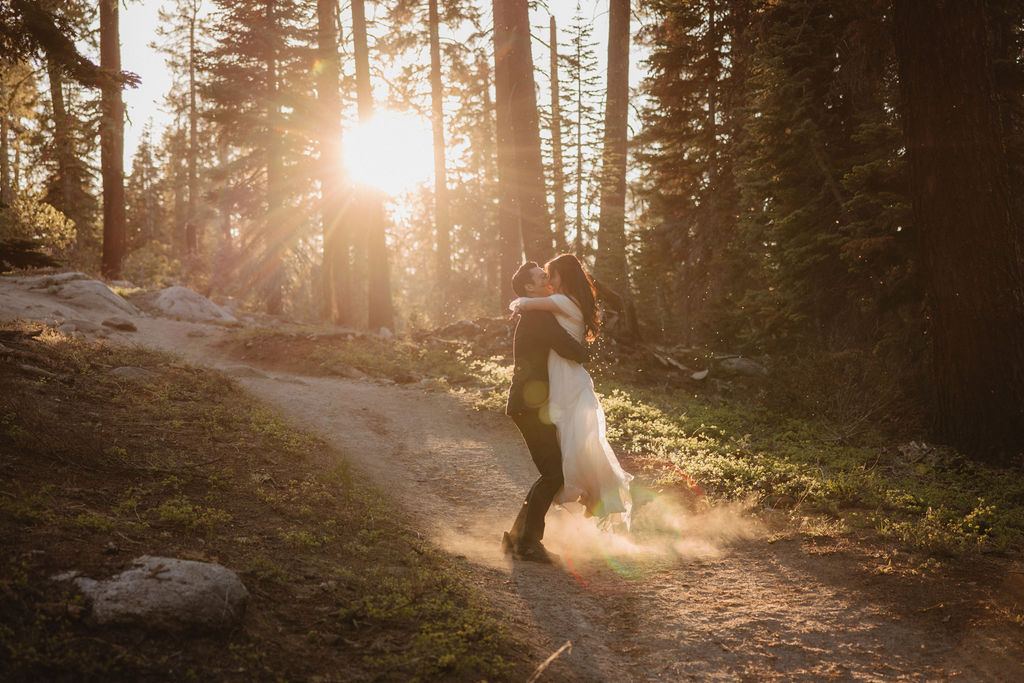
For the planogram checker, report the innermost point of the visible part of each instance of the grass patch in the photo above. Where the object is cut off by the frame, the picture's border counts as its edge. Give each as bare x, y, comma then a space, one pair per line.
96, 470
813, 451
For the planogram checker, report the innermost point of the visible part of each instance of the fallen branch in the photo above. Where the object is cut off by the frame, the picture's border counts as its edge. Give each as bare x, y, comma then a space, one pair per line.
547, 662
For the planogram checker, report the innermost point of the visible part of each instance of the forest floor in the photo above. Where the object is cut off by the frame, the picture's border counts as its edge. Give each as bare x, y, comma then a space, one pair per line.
715, 594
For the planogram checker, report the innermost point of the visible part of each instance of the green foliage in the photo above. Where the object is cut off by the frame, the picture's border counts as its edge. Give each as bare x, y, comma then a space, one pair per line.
777, 209
180, 511
29, 218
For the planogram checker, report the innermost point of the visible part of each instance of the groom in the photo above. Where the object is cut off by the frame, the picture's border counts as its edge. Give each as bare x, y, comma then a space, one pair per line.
537, 332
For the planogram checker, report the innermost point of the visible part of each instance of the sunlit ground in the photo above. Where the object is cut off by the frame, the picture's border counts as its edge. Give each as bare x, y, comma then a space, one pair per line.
392, 152
663, 534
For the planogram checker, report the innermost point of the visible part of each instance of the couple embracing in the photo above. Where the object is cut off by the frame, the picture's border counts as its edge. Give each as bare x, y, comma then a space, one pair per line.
553, 403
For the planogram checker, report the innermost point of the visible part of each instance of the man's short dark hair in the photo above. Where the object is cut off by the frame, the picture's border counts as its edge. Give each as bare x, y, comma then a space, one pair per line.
523, 277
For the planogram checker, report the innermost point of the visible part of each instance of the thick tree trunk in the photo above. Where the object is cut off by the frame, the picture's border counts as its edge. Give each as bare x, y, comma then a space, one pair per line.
610, 265
557, 172
538, 242
112, 142
191, 228
510, 234
442, 219
971, 247
336, 267
380, 312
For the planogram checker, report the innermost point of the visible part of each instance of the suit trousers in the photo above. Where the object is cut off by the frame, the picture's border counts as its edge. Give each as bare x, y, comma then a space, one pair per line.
542, 440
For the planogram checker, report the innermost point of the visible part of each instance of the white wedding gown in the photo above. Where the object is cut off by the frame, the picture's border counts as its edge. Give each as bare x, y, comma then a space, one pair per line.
592, 473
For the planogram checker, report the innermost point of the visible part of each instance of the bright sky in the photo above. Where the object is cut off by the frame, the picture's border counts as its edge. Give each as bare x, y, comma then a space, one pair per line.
138, 29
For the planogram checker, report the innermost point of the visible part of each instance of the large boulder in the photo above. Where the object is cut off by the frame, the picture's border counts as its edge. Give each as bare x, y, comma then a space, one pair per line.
183, 303
169, 594
81, 291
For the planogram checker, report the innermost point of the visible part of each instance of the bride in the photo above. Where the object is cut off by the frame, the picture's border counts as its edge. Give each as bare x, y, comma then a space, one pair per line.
592, 473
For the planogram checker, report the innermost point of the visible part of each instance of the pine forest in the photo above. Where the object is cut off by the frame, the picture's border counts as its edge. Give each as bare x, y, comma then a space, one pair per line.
836, 185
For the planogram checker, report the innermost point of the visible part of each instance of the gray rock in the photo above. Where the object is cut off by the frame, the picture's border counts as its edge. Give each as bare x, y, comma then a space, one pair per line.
119, 323
77, 325
168, 594
46, 281
183, 303
95, 295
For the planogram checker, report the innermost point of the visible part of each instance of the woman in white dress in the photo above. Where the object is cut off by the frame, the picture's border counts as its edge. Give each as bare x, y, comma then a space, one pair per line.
593, 476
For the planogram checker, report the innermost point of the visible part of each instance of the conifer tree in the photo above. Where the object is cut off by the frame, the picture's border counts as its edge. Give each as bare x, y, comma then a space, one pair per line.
259, 64
610, 263
336, 228
370, 212
112, 142
521, 170
144, 211
972, 245
581, 101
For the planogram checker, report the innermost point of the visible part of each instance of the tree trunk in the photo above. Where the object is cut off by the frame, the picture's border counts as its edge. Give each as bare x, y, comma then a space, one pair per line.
336, 267
112, 142
380, 312
610, 265
538, 241
557, 172
510, 234
277, 224
61, 199
971, 247
191, 229
6, 193
442, 219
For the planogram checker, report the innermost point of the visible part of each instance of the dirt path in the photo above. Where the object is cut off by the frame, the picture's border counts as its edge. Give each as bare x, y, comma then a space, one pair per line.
708, 597
711, 597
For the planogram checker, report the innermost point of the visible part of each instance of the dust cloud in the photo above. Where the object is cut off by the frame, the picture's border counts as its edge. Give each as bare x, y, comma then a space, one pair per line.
663, 533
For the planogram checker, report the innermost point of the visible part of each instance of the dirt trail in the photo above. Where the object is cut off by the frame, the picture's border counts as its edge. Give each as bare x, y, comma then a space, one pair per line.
711, 597
708, 597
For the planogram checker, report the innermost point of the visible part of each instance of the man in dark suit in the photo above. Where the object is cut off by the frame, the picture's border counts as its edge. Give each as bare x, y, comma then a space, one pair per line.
537, 333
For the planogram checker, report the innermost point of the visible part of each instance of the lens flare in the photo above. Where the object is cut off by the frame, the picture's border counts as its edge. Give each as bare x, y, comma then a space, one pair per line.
392, 152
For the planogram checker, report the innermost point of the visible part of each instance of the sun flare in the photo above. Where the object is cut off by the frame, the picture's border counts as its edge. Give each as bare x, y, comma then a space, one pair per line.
392, 152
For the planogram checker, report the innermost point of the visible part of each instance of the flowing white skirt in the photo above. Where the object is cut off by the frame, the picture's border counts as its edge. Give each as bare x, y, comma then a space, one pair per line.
592, 473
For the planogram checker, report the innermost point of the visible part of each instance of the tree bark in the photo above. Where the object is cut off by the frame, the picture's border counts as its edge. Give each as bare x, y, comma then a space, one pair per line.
191, 228
276, 223
610, 264
557, 171
336, 267
6, 193
970, 245
112, 142
442, 219
535, 226
510, 234
380, 311
61, 134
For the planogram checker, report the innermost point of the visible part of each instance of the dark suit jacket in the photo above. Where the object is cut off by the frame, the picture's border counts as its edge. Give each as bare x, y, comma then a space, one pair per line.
537, 332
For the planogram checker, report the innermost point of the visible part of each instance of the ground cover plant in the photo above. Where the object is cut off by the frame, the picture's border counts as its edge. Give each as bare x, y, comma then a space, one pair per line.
97, 468
828, 467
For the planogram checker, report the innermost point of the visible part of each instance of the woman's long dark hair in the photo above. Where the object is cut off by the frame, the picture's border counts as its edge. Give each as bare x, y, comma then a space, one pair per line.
578, 286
